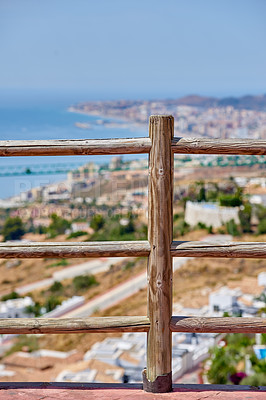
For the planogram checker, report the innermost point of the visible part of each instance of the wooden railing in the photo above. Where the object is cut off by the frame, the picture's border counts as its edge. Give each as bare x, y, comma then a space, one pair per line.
159, 323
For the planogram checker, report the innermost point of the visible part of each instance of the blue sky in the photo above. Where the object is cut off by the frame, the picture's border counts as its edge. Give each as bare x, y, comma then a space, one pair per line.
134, 49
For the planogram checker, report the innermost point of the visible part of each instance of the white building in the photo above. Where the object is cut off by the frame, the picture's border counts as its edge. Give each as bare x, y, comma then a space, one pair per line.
15, 308
223, 299
66, 306
262, 279
210, 214
125, 357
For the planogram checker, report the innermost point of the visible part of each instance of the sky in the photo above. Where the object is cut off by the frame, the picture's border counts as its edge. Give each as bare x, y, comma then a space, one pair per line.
133, 49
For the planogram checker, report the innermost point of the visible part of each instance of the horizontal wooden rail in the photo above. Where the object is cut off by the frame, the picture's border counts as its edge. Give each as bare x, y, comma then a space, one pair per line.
73, 325
139, 248
129, 324
217, 325
180, 145
83, 147
219, 250
218, 146
75, 250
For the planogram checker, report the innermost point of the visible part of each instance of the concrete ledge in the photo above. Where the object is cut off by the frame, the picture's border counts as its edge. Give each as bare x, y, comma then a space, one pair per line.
84, 391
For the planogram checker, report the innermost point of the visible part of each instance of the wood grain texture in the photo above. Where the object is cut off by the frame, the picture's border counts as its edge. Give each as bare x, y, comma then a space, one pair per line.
218, 146
129, 324
139, 248
10, 148
75, 250
73, 325
219, 250
160, 228
180, 145
218, 325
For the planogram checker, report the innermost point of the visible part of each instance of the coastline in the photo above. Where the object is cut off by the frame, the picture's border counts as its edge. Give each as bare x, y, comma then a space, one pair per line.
111, 121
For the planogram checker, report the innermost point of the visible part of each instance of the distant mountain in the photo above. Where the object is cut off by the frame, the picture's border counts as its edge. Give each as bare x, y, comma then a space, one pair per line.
248, 102
196, 101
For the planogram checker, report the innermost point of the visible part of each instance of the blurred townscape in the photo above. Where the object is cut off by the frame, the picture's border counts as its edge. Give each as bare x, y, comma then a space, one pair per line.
98, 70
215, 199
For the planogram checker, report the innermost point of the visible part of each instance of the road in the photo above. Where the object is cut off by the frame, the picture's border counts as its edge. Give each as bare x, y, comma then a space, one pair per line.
119, 293
96, 266
89, 267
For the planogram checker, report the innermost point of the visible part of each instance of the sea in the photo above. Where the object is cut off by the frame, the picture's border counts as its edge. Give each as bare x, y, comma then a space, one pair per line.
36, 119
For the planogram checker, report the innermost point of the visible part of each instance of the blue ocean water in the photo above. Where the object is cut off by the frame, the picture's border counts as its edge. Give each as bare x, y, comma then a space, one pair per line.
47, 121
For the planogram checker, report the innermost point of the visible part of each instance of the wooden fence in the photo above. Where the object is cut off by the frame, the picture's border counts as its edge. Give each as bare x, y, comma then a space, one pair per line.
160, 248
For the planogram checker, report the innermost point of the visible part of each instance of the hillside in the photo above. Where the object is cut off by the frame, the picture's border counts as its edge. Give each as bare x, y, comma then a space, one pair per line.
245, 102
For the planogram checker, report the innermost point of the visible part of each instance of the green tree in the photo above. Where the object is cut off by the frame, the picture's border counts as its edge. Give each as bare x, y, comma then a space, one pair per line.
181, 228
245, 218
239, 341
222, 366
224, 360
260, 212
97, 222
13, 229
129, 228
231, 228
58, 226
41, 229
259, 366
35, 309
262, 227
263, 338
229, 200
202, 194
51, 303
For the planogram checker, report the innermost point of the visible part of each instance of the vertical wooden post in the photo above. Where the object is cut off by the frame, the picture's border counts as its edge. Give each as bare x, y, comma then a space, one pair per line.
158, 375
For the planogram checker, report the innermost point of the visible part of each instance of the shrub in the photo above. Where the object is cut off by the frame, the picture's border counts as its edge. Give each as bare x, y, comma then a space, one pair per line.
97, 222
222, 366
176, 217
76, 234
56, 287
254, 380
245, 218
229, 200
260, 212
181, 228
28, 341
129, 265
58, 226
201, 225
210, 229
224, 360
61, 263
51, 303
83, 282
10, 296
13, 229
201, 195
262, 226
35, 309
231, 228
41, 229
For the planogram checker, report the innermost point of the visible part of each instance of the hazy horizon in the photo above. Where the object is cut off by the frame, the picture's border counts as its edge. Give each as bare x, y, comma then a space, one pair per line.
28, 98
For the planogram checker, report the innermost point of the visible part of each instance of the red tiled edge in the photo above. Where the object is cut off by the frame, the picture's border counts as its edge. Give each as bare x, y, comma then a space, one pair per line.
85, 391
